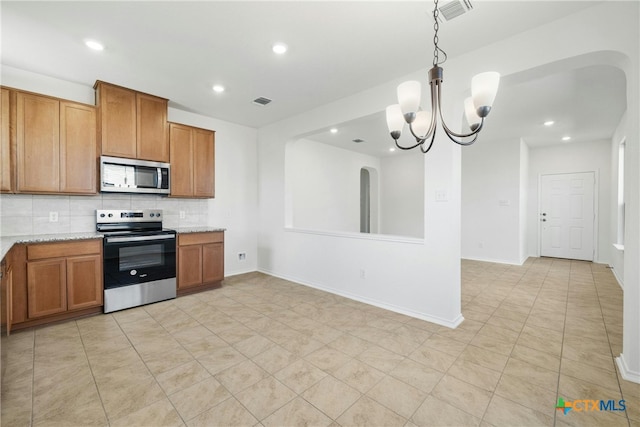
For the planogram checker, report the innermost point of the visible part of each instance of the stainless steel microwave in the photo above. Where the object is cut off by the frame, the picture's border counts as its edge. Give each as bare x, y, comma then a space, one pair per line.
134, 176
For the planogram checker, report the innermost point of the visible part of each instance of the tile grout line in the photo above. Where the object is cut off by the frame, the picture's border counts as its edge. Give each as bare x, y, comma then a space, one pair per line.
615, 366
95, 382
564, 327
519, 334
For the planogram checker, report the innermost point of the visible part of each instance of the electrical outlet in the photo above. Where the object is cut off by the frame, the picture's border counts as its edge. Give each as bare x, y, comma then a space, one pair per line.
183, 214
363, 273
53, 216
242, 256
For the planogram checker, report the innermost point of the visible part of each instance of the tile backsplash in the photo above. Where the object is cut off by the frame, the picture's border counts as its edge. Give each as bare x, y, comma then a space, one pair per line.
29, 214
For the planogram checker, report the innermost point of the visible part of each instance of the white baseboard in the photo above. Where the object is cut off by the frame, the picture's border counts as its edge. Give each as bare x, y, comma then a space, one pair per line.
498, 261
627, 373
238, 272
433, 319
618, 278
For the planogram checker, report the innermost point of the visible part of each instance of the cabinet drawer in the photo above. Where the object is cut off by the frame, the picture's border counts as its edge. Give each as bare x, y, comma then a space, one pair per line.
63, 249
200, 238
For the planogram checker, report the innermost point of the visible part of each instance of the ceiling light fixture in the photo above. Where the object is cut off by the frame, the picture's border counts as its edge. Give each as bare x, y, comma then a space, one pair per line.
333, 130
218, 88
93, 44
422, 124
279, 48
566, 138
549, 123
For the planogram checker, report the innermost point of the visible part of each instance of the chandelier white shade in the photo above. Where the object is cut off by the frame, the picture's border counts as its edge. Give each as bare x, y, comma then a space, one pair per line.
423, 122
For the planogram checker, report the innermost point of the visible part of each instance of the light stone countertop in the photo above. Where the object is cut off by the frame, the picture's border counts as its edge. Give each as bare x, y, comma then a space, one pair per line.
7, 242
199, 229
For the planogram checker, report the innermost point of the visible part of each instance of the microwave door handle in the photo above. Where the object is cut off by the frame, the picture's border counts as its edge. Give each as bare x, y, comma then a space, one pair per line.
159, 172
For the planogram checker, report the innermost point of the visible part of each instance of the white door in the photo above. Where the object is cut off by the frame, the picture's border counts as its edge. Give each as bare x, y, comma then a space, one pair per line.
567, 215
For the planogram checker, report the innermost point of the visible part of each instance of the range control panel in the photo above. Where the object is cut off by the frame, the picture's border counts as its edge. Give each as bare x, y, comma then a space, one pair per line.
143, 215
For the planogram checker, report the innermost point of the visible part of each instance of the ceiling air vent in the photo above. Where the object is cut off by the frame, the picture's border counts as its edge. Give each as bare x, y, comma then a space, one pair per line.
358, 140
261, 101
455, 8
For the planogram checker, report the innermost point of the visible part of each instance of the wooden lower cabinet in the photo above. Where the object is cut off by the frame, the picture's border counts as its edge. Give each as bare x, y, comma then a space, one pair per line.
200, 259
84, 282
63, 277
189, 266
46, 287
213, 262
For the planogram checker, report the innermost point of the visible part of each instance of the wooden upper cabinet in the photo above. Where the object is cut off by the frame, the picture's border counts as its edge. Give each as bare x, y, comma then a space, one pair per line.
181, 160
152, 135
55, 144
5, 144
117, 120
132, 124
192, 161
78, 152
38, 143
203, 163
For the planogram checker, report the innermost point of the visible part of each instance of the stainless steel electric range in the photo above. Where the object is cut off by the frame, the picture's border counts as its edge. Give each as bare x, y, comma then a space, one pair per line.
139, 258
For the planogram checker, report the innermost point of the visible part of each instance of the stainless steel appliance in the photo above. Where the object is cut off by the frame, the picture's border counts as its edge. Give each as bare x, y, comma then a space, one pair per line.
134, 176
139, 258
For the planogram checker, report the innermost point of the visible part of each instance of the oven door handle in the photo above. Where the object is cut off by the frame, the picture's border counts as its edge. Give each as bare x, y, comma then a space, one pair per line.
138, 238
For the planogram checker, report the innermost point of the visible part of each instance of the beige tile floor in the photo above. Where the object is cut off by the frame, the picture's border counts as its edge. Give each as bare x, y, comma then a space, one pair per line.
264, 351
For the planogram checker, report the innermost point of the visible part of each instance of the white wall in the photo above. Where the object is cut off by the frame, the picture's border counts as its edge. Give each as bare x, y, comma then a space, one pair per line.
413, 276
234, 208
491, 172
616, 257
570, 158
524, 197
323, 189
402, 195
323, 183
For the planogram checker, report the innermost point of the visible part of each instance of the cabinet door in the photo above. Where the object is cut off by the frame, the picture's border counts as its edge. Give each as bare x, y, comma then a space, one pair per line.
117, 120
47, 287
38, 143
212, 262
189, 266
84, 282
5, 144
152, 130
77, 148
203, 163
180, 139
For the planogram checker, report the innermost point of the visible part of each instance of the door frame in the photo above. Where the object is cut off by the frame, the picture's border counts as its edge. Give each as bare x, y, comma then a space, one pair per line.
596, 215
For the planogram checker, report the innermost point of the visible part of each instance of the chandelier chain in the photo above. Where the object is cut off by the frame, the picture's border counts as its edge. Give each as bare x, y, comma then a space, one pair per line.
436, 27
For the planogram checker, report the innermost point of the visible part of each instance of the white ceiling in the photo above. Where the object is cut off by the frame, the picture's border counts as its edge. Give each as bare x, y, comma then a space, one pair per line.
585, 104
178, 50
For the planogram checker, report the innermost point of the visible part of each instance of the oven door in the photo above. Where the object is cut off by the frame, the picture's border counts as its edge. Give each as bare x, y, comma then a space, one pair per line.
135, 258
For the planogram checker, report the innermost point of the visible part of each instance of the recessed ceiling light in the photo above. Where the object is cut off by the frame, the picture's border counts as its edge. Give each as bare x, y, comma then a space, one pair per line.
218, 88
333, 130
566, 138
392, 149
549, 123
93, 44
279, 48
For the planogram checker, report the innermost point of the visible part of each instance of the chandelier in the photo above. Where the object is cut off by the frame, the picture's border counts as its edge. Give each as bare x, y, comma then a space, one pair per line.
423, 123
